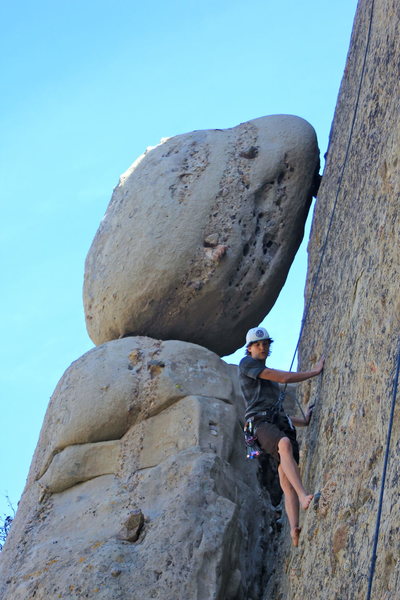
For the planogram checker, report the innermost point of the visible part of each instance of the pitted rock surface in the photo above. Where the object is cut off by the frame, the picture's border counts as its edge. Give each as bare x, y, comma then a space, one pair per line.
200, 233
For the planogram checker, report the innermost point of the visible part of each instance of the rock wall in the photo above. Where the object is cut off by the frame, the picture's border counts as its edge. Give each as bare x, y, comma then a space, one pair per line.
138, 487
354, 320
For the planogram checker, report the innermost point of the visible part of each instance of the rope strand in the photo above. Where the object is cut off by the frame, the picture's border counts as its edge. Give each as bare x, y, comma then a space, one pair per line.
385, 465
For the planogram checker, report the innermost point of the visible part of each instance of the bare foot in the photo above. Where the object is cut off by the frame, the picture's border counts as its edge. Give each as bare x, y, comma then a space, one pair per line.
306, 501
295, 534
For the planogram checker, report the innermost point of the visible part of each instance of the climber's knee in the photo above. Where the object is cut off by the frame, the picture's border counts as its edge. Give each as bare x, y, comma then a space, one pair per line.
285, 446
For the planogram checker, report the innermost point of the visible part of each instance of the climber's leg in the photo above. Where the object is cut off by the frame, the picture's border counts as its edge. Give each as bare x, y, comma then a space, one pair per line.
291, 470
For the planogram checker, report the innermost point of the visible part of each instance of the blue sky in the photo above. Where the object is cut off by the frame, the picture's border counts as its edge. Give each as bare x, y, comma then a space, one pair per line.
86, 87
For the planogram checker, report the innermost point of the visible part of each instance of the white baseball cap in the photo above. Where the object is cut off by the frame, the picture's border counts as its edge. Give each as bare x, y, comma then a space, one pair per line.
257, 334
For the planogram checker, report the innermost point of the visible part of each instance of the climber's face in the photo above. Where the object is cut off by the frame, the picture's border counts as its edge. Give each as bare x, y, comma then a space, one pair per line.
259, 350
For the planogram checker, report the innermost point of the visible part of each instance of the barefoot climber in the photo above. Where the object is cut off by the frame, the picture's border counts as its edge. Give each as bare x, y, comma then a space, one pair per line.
274, 430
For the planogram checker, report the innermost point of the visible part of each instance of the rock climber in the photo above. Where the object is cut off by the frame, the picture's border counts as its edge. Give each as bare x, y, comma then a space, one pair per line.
274, 430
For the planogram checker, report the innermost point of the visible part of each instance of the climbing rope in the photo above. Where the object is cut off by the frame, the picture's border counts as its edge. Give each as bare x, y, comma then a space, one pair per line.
385, 465
324, 246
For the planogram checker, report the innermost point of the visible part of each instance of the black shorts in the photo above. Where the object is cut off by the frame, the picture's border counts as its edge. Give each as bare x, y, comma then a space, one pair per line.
270, 433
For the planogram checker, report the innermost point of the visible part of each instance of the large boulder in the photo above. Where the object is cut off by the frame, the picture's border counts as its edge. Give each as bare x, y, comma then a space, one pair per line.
200, 233
139, 487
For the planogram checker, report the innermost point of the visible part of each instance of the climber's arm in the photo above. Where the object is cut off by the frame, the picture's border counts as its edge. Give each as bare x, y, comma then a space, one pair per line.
303, 421
289, 376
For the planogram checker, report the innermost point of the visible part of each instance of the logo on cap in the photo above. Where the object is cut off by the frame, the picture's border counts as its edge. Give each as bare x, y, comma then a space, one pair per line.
260, 333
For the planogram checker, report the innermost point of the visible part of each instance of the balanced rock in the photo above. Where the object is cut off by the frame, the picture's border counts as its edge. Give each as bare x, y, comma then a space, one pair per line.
200, 233
139, 487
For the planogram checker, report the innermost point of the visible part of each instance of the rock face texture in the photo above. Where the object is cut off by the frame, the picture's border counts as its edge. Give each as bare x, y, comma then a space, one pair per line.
355, 320
200, 233
139, 486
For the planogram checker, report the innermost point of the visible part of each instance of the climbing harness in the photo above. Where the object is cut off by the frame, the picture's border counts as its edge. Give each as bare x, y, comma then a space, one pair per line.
253, 449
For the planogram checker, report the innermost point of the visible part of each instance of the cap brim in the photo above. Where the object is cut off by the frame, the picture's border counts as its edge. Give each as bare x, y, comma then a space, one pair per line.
259, 340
